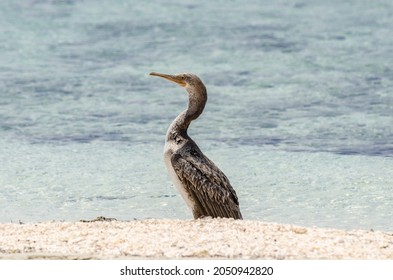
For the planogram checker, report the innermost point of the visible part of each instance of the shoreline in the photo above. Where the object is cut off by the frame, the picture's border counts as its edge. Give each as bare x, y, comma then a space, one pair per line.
184, 239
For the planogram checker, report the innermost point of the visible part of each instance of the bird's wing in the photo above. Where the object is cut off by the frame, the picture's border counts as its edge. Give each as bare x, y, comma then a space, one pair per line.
206, 184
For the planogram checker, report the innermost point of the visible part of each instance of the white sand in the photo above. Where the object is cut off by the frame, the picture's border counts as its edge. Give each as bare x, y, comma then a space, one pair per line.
175, 239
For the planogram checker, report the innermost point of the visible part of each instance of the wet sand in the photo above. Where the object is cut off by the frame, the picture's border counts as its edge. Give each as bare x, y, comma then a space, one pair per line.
178, 239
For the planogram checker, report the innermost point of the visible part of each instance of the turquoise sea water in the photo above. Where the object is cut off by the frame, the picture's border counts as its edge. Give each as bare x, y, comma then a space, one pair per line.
299, 117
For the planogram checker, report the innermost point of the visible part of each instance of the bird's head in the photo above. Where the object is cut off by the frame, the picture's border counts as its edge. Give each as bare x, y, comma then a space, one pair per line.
196, 91
185, 80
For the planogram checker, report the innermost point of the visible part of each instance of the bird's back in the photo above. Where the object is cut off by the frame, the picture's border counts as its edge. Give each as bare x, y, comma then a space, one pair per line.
208, 191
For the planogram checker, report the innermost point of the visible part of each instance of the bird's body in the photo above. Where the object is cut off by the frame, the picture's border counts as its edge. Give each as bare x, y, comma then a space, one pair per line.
203, 186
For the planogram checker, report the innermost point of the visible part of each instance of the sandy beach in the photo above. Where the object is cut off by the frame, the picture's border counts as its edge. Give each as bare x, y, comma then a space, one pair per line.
177, 239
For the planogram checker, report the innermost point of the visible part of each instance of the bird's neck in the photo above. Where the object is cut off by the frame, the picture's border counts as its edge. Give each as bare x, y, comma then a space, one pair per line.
196, 103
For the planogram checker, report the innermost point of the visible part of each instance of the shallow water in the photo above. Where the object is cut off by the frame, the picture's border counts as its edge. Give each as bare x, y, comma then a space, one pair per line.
299, 116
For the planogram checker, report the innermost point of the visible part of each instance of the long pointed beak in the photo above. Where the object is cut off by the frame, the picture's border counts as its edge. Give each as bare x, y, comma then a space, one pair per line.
172, 78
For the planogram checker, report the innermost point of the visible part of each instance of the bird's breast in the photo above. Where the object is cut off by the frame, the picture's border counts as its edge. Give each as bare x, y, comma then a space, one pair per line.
170, 148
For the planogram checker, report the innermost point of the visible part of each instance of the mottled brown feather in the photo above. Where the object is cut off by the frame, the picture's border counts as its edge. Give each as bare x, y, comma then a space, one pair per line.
206, 183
